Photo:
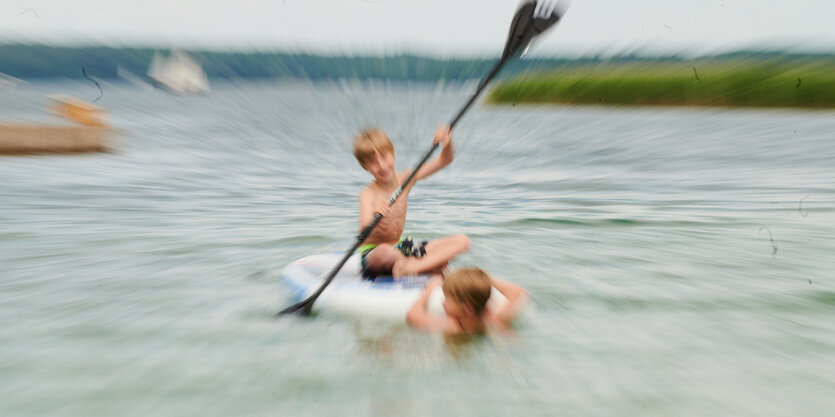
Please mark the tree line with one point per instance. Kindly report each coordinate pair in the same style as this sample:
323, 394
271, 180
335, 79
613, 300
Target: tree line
46, 61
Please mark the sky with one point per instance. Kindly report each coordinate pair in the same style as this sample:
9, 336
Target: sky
435, 27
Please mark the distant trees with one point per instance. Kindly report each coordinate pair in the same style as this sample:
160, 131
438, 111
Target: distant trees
737, 78
44, 61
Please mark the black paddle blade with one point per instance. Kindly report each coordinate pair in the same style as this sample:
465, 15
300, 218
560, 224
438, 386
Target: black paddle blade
532, 18
303, 308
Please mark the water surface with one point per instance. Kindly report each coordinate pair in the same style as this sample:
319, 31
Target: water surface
679, 260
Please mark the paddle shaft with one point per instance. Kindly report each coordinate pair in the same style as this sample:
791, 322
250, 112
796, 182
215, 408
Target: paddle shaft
305, 307
478, 91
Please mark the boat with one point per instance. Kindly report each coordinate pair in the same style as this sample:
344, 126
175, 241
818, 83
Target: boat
349, 295
178, 73
88, 131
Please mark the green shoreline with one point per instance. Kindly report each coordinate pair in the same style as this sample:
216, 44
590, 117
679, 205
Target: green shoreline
742, 78
716, 84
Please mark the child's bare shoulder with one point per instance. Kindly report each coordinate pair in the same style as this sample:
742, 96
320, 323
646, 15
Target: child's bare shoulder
369, 192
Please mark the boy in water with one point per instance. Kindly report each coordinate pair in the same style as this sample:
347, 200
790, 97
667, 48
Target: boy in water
466, 292
384, 251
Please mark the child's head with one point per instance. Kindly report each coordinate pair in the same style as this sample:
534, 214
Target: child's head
466, 292
370, 143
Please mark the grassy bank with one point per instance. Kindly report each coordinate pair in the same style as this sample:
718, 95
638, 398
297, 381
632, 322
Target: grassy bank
738, 84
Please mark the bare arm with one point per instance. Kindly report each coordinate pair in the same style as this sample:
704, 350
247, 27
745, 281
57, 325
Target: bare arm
517, 298
418, 316
443, 136
366, 208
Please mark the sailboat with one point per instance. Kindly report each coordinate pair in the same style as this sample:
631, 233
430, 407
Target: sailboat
178, 73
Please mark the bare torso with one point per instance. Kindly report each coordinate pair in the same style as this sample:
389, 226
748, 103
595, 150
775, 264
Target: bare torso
390, 227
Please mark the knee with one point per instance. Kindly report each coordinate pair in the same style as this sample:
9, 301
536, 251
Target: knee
462, 242
382, 258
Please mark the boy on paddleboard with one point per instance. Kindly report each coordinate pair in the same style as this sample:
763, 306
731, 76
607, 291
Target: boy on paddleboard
466, 292
385, 250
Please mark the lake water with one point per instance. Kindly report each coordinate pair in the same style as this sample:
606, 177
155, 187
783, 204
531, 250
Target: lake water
679, 260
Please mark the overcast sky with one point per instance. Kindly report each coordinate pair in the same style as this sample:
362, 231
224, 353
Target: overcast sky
441, 27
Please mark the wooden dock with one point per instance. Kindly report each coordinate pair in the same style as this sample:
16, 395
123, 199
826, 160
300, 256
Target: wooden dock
88, 131
18, 139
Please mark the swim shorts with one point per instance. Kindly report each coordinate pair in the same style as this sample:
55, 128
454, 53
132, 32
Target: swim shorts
406, 246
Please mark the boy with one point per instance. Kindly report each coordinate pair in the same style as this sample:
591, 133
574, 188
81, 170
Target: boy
385, 251
466, 292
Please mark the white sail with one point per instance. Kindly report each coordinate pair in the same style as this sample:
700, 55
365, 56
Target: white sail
179, 73
157, 62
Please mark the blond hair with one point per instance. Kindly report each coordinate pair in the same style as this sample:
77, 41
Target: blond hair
469, 286
369, 142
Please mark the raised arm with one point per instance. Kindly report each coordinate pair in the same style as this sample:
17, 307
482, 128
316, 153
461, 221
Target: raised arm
517, 298
443, 136
419, 317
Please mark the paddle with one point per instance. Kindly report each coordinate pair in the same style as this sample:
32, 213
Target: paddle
531, 18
